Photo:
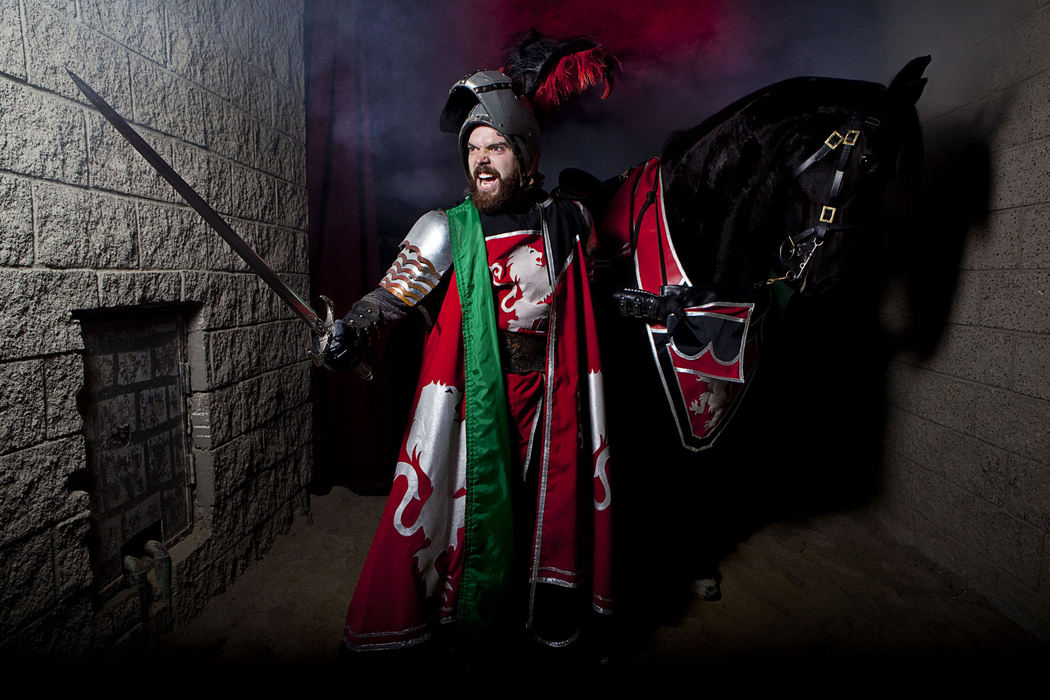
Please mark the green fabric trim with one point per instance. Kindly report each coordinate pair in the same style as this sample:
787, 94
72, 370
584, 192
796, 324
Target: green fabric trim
489, 522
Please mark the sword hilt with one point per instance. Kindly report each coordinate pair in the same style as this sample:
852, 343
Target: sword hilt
322, 336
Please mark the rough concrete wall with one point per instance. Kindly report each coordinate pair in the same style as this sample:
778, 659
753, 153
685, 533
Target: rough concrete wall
968, 459
216, 86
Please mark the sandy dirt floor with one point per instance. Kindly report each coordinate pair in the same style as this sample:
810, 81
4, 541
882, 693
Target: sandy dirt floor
813, 596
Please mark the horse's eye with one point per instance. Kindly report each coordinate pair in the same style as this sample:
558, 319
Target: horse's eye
866, 161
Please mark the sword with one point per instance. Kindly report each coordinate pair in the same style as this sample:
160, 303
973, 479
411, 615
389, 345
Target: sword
318, 326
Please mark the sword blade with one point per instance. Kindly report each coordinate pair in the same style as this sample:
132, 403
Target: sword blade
211, 217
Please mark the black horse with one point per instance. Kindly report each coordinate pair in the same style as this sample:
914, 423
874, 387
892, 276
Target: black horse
762, 172
769, 204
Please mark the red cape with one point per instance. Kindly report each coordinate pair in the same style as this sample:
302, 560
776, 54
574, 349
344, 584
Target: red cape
411, 576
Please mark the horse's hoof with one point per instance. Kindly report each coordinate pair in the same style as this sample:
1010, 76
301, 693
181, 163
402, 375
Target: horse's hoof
707, 589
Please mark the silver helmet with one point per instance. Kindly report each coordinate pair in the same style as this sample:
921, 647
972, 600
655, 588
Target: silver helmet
487, 98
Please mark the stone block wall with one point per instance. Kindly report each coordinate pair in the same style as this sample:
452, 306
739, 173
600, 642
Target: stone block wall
968, 447
216, 87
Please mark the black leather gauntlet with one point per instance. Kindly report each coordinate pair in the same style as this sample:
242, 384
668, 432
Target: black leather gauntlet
351, 334
649, 307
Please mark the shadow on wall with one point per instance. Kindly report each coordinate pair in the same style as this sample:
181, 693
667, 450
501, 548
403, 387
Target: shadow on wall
925, 251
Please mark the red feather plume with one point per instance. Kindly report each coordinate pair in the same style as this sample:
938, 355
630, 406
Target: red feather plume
574, 75
552, 71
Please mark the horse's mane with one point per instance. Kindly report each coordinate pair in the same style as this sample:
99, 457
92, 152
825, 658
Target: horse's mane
790, 97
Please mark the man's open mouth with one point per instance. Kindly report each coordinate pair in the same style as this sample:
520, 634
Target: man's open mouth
486, 182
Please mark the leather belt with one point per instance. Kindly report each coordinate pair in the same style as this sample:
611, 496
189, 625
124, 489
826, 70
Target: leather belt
522, 352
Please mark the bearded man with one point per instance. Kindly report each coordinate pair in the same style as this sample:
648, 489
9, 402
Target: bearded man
499, 519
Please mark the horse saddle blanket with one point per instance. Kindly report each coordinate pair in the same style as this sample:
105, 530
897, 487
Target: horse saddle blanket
707, 348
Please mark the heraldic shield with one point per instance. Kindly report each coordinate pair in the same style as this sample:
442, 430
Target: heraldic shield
707, 349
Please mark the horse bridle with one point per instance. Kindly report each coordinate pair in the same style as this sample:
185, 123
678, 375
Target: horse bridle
796, 251
801, 246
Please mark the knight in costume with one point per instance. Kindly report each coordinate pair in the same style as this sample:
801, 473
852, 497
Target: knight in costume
499, 517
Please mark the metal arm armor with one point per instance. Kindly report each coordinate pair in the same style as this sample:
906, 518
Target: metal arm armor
426, 255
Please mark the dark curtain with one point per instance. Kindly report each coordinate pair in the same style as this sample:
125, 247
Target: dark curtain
350, 415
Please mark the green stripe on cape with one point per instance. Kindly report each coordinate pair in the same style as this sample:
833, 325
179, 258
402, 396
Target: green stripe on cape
489, 524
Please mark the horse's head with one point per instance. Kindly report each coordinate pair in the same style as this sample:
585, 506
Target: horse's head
839, 165
781, 183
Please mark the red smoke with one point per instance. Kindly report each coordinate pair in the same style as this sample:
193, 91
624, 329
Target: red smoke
641, 31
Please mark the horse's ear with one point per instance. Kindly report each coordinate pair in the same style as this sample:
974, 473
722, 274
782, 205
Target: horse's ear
907, 86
